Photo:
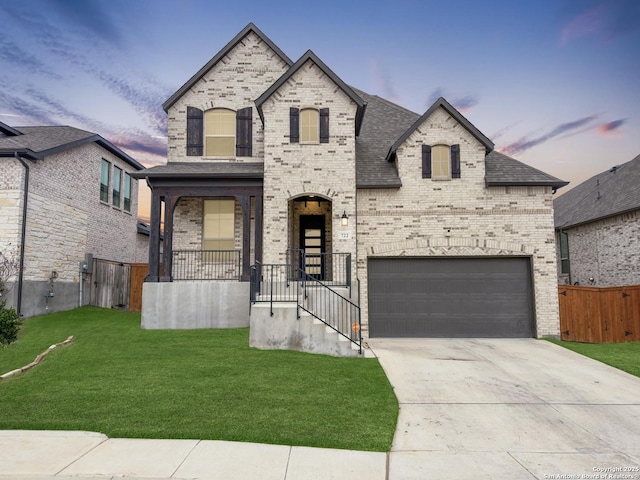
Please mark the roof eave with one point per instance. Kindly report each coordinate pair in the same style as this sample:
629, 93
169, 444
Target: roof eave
225, 50
501, 183
566, 226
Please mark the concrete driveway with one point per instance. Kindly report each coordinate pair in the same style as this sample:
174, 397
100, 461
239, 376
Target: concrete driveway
508, 408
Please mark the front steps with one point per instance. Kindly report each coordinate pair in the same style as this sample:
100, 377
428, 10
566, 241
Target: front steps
285, 331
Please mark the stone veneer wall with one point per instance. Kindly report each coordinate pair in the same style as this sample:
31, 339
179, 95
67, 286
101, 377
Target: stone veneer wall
66, 219
235, 82
607, 250
459, 217
324, 169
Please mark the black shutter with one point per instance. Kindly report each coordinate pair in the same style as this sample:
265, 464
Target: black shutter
243, 132
195, 131
455, 161
426, 161
324, 125
294, 125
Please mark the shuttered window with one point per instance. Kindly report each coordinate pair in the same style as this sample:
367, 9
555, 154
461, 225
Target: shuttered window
219, 132
441, 162
309, 125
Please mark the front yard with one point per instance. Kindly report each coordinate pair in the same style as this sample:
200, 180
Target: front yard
122, 381
624, 356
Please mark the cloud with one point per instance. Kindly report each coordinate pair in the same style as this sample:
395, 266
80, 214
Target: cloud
89, 15
13, 54
611, 128
463, 104
382, 82
606, 19
526, 143
34, 112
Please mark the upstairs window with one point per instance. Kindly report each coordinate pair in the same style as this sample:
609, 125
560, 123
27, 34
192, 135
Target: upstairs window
220, 133
127, 192
105, 168
309, 125
441, 162
117, 179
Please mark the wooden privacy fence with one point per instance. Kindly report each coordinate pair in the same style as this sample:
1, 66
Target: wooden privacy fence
110, 284
599, 315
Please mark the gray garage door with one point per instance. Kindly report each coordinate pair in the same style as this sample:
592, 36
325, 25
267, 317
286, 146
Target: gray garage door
450, 297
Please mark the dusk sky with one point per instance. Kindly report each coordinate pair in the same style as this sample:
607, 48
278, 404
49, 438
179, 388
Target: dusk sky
555, 84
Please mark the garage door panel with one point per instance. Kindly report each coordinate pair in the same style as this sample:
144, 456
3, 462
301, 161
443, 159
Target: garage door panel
447, 297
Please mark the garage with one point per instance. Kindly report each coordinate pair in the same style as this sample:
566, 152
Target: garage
450, 297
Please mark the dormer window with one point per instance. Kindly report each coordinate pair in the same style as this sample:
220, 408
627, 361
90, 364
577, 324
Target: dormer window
441, 162
309, 125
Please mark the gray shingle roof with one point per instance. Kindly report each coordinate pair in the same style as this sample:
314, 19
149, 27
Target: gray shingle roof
609, 193
383, 124
501, 170
204, 170
36, 143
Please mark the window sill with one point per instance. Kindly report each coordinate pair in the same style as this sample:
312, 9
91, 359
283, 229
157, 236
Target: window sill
441, 179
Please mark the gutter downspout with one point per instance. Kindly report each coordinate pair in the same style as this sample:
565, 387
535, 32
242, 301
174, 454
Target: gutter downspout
23, 233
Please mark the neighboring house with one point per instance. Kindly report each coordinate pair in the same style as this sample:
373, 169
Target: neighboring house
435, 232
598, 229
66, 196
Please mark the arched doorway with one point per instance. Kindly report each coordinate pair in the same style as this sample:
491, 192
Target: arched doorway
310, 235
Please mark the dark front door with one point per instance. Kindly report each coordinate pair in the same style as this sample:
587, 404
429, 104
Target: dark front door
312, 241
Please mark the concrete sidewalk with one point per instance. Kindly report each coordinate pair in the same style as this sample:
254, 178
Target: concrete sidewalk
58, 455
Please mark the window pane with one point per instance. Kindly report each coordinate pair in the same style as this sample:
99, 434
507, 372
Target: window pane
127, 192
219, 223
220, 146
117, 176
309, 125
220, 131
440, 162
104, 180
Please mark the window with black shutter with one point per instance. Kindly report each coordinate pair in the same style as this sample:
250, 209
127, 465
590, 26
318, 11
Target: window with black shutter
308, 125
243, 132
195, 131
294, 125
324, 125
441, 162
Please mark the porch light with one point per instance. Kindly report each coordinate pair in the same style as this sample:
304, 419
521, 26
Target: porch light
344, 219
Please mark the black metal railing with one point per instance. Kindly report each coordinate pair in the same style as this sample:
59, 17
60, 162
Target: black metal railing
273, 283
330, 268
207, 265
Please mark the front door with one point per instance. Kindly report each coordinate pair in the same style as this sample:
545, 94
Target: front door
312, 241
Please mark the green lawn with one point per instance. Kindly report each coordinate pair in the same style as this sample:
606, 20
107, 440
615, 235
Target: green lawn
120, 380
625, 356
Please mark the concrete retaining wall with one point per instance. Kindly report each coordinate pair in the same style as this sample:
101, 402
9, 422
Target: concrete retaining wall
188, 305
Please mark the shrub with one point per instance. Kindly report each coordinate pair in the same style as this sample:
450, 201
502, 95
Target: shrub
9, 324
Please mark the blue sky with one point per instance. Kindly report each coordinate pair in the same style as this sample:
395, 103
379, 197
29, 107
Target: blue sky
555, 84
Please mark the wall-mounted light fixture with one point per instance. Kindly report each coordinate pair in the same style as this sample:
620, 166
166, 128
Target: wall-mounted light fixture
344, 219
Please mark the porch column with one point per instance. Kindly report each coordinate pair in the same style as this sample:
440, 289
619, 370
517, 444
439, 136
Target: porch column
258, 227
154, 238
245, 202
167, 253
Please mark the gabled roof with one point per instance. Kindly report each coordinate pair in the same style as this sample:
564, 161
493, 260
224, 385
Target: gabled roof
36, 143
612, 192
441, 102
310, 56
220, 55
504, 171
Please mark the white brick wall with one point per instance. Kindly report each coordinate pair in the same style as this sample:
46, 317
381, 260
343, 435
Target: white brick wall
11, 184
235, 82
459, 217
326, 170
607, 250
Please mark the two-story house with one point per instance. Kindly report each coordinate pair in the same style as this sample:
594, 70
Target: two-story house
67, 196
280, 173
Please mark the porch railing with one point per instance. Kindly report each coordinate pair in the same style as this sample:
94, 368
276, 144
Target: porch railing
273, 283
206, 265
330, 268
